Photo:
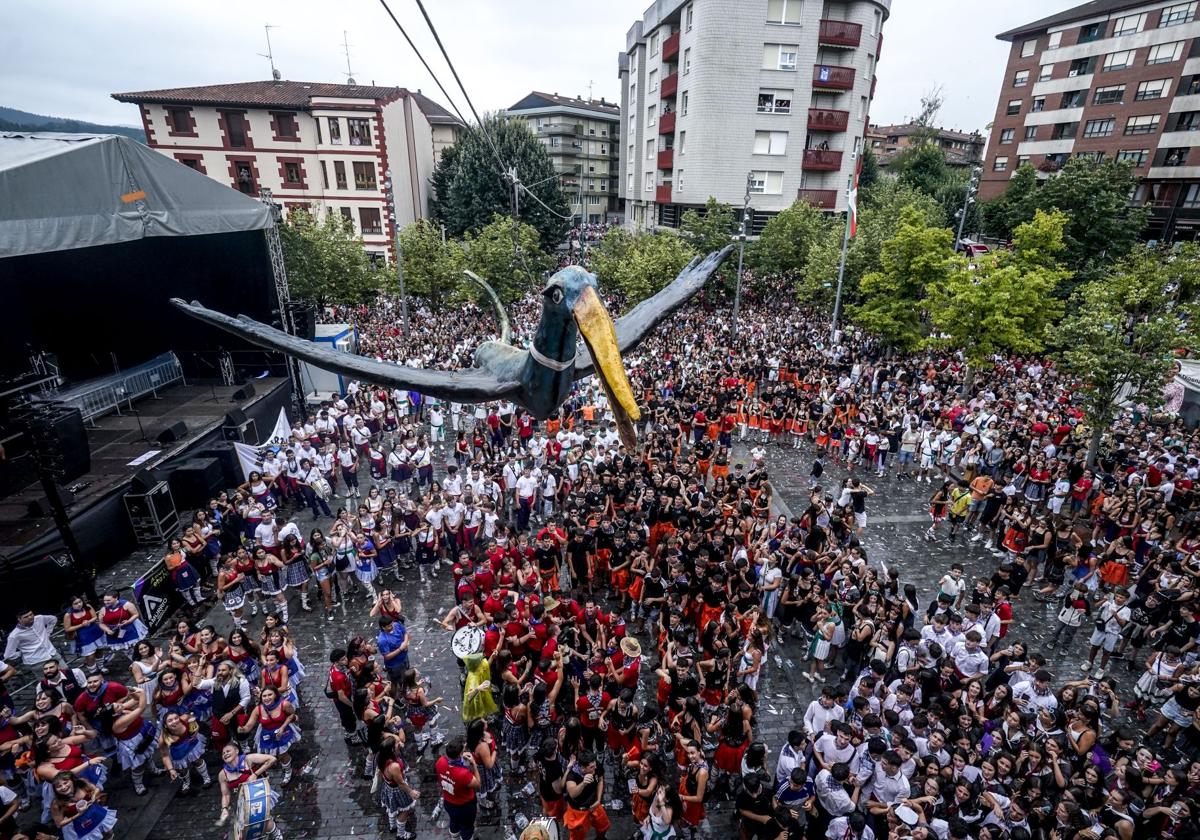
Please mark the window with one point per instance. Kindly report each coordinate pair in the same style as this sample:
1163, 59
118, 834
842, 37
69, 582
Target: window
346, 214
690, 17
783, 11
243, 170
369, 220
1174, 157
650, 149
191, 162
774, 101
679, 180
1021, 78
683, 104
654, 44
629, 182
1000, 164
1082, 67
1110, 95
1014, 107
651, 114
1188, 121
681, 143
1099, 128
1028, 48
687, 60
1138, 156
1118, 60
770, 142
1142, 125
1164, 53
360, 131
1191, 199
285, 126
291, 173
1073, 99
1091, 32
1045, 72
335, 131
1022, 160
1006, 135
779, 56
339, 174
1178, 14
324, 174
364, 175
1155, 89
1093, 156
1031, 132
235, 128
1062, 131
652, 80
180, 121
1039, 104
1129, 24
649, 181
767, 183
1055, 40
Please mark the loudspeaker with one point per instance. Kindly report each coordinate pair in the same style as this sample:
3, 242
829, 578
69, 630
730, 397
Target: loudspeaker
246, 392
195, 481
143, 481
231, 468
305, 317
235, 417
72, 441
40, 505
177, 431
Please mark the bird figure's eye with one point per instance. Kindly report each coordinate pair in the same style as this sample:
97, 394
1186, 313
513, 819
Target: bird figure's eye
556, 295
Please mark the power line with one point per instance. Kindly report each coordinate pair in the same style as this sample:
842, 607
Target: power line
549, 209
424, 63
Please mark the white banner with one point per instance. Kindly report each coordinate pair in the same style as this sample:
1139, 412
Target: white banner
281, 435
251, 457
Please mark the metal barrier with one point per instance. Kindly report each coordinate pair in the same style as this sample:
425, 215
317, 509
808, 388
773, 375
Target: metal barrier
100, 396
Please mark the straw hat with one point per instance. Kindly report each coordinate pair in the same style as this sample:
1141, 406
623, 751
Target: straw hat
630, 647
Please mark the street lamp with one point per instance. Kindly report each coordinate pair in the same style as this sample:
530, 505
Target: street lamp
391, 198
968, 200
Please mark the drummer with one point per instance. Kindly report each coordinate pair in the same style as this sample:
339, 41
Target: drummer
237, 769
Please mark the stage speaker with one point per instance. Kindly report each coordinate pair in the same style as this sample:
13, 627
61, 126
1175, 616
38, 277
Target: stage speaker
40, 505
305, 316
246, 392
72, 443
177, 431
235, 417
231, 468
195, 481
143, 481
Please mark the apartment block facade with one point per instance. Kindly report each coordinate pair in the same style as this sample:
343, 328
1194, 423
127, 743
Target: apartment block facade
582, 137
1107, 79
712, 90
962, 148
326, 147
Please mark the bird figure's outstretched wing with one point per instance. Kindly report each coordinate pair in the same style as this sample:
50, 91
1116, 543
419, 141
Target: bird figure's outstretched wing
637, 323
466, 386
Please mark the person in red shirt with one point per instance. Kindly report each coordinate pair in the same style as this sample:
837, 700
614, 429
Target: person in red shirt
1003, 610
458, 776
1079, 493
591, 708
340, 689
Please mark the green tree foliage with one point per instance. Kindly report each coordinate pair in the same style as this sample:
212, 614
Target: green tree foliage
924, 168
490, 254
915, 258
431, 268
711, 230
639, 264
325, 260
783, 248
1120, 331
868, 176
1006, 303
470, 188
1002, 214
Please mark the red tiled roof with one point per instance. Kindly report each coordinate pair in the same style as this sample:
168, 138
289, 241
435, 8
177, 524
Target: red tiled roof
280, 94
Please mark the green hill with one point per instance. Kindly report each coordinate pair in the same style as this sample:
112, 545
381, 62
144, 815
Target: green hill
13, 120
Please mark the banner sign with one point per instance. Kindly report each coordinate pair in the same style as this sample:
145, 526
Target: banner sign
251, 457
156, 595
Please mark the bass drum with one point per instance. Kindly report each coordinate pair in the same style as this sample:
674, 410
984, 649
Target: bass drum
467, 640
254, 811
543, 828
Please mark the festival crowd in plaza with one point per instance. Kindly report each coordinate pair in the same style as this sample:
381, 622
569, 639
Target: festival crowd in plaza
625, 605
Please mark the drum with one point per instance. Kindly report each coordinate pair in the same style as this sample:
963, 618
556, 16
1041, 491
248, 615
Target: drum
254, 811
467, 640
543, 828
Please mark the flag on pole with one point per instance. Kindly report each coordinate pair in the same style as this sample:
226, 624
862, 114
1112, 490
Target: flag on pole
852, 205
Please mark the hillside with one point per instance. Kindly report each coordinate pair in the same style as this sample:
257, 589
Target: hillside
13, 120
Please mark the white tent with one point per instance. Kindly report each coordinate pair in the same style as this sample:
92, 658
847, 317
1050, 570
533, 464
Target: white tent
61, 191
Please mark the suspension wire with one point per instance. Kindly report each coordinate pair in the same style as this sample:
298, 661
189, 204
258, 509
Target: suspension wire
424, 63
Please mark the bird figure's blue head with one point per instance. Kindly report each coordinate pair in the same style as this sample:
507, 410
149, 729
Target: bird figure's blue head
565, 290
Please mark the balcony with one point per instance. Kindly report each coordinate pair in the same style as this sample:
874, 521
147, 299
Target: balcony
821, 160
561, 128
666, 159
666, 123
821, 199
839, 33
826, 119
832, 78
669, 86
670, 47
662, 195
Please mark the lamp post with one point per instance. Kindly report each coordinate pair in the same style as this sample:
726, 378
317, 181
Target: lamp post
391, 196
743, 232
968, 200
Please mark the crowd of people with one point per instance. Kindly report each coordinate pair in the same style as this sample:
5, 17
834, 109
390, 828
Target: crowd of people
626, 605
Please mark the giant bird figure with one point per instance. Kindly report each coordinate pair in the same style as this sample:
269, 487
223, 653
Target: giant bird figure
539, 378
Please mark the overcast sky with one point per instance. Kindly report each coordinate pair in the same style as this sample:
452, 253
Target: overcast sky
64, 57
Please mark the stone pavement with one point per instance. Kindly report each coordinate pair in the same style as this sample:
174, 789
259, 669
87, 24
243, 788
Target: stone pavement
328, 797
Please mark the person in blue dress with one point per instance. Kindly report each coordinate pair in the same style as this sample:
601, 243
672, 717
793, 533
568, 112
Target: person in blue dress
77, 812
82, 622
182, 748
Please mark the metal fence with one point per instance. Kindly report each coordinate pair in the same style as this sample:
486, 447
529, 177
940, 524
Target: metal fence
100, 396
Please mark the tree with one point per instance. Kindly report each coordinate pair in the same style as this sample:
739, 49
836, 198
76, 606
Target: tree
325, 260
711, 230
869, 174
431, 268
1006, 303
1120, 332
490, 254
639, 264
1003, 214
783, 247
917, 257
922, 166
471, 188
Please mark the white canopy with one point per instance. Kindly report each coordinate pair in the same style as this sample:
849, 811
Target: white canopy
61, 191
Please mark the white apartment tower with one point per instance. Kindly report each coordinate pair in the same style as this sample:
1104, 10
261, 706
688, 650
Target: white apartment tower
714, 89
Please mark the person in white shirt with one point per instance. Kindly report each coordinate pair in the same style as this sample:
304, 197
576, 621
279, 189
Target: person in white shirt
266, 533
834, 747
549, 491
791, 755
347, 459
822, 712
526, 489
29, 642
969, 659
437, 424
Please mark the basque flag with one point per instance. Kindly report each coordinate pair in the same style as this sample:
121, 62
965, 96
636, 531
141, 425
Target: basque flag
852, 206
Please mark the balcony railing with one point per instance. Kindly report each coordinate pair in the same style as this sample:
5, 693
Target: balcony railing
839, 33
832, 77
561, 128
822, 160
670, 47
821, 199
827, 119
666, 123
669, 86
666, 159
662, 195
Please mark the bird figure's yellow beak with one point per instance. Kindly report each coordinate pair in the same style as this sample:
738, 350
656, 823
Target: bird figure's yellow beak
596, 327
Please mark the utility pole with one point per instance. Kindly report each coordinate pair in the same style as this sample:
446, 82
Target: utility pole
389, 188
968, 200
837, 298
741, 237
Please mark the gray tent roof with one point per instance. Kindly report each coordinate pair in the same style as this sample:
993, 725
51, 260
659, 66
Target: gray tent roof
61, 191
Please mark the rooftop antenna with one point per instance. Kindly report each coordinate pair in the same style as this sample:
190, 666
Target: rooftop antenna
270, 55
346, 50
589, 90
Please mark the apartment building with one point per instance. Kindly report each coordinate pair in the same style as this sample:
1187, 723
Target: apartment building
582, 137
1107, 79
962, 148
714, 89
327, 147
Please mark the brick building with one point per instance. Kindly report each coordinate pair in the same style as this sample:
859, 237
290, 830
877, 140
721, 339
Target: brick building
962, 148
1107, 79
325, 146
